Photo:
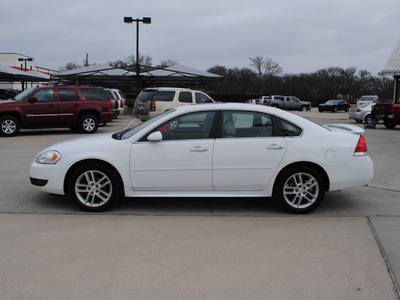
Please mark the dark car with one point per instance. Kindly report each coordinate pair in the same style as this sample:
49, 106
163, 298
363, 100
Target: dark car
79, 108
130, 99
334, 106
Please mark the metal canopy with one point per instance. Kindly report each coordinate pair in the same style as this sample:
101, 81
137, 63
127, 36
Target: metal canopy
105, 75
392, 66
11, 74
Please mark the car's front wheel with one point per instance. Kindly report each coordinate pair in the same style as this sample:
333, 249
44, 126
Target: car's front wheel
304, 108
94, 187
299, 190
9, 126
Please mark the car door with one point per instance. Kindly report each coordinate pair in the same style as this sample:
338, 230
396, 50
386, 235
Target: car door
69, 105
248, 152
181, 161
41, 108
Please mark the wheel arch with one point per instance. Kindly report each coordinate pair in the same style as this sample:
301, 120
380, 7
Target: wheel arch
96, 161
308, 164
90, 112
13, 114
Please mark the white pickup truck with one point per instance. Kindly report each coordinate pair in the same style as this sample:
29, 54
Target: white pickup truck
285, 102
367, 99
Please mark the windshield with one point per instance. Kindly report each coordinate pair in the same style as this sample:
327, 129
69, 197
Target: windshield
122, 135
22, 96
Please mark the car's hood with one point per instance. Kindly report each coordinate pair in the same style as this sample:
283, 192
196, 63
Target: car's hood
85, 144
4, 101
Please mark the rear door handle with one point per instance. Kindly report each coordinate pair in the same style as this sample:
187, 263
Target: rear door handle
275, 147
198, 149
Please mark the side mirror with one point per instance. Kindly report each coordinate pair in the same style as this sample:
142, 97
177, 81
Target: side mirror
33, 100
155, 137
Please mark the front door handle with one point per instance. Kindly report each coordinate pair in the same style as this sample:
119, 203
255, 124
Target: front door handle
275, 147
198, 149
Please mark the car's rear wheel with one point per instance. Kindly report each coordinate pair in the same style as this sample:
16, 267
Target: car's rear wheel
9, 126
389, 123
94, 187
88, 124
368, 119
299, 190
304, 108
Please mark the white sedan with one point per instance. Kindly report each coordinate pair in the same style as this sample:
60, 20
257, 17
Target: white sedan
209, 150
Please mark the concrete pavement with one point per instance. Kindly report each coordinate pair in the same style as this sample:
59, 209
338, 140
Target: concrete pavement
199, 248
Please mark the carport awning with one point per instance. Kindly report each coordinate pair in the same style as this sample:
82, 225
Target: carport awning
392, 66
11, 74
177, 75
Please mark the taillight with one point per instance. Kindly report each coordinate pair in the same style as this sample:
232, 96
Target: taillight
361, 148
358, 110
109, 106
153, 106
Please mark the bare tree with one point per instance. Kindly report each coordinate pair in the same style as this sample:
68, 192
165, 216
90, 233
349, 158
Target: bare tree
70, 66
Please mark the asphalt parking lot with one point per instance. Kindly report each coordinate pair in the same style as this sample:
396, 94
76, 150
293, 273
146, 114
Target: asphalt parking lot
199, 248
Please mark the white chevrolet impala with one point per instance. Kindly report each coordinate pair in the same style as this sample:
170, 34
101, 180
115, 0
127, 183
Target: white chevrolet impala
209, 150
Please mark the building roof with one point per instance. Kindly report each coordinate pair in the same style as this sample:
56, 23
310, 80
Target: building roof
392, 66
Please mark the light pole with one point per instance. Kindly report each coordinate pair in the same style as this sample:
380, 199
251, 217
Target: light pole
25, 60
145, 20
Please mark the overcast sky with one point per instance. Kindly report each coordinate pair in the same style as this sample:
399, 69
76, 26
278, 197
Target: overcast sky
302, 36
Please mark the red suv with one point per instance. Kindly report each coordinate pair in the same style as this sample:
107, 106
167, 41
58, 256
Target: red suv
77, 107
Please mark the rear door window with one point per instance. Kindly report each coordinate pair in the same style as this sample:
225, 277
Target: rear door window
185, 97
67, 95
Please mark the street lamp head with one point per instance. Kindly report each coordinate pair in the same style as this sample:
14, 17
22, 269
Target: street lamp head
146, 20
128, 19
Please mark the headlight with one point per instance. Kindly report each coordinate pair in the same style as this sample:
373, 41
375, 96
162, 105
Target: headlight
48, 157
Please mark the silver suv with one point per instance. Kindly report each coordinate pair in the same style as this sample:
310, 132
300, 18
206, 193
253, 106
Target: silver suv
153, 101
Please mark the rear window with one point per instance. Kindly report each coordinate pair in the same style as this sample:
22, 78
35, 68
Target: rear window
94, 94
155, 95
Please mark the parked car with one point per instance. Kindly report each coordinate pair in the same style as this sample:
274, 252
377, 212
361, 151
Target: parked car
334, 106
367, 99
77, 107
153, 101
285, 102
202, 151
114, 102
361, 113
130, 99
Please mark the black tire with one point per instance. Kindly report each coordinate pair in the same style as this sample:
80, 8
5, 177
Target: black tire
94, 187
9, 126
389, 124
299, 190
320, 110
367, 119
88, 124
304, 108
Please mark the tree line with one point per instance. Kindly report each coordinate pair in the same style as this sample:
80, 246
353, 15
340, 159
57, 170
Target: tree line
264, 76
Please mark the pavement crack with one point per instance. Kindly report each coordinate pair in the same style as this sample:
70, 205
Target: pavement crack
389, 268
